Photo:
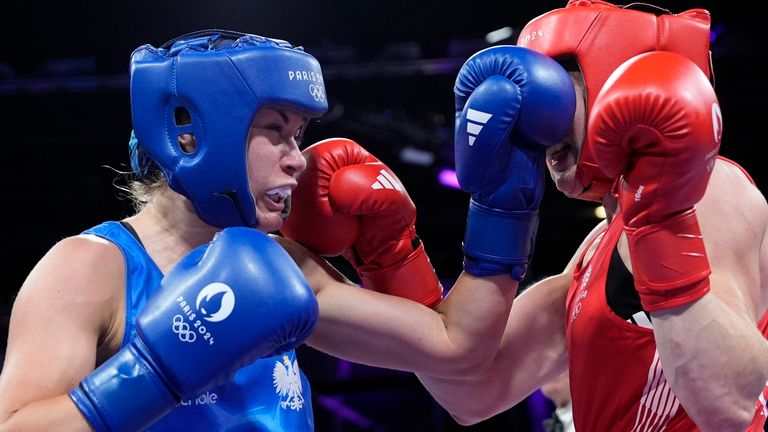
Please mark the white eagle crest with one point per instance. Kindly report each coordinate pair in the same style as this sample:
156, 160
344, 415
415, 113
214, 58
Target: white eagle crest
287, 382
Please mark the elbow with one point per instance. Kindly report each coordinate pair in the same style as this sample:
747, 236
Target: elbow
728, 418
465, 420
737, 420
741, 418
467, 401
469, 414
736, 411
471, 401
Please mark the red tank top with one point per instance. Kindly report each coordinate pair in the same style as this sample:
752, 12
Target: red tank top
617, 381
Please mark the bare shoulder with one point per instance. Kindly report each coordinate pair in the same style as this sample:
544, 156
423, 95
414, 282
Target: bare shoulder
63, 320
733, 215
82, 260
550, 293
733, 209
728, 174
77, 274
587, 247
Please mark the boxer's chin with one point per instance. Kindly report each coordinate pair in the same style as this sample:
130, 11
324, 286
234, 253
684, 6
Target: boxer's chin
567, 182
269, 221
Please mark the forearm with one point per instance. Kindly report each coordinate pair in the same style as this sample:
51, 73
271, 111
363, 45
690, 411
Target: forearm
461, 336
707, 349
57, 413
475, 316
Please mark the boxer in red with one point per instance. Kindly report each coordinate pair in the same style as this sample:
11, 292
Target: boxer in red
661, 316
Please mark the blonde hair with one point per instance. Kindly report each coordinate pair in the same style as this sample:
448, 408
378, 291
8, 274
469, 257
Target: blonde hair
140, 190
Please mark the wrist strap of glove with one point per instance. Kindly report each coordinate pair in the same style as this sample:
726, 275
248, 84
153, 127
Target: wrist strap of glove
123, 394
498, 242
669, 262
414, 279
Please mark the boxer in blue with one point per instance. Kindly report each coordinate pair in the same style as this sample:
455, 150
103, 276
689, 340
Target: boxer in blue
185, 316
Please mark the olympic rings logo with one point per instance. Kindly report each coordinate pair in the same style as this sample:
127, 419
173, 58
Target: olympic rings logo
182, 329
317, 92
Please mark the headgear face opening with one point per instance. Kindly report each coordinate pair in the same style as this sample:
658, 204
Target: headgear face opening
219, 79
601, 36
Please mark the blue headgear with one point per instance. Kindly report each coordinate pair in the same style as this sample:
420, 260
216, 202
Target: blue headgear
221, 78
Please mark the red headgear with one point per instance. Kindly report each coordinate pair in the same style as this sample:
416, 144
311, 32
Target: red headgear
601, 36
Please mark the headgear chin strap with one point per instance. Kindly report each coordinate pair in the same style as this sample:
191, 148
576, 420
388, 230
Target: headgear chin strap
601, 36
221, 79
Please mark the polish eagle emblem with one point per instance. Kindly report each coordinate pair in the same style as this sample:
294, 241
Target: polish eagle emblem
287, 382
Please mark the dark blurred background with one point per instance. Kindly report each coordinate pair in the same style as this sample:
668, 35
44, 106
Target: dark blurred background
389, 69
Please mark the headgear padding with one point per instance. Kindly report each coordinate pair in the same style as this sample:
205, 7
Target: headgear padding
221, 79
601, 36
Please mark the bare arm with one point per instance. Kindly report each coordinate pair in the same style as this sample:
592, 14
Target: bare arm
460, 337
712, 346
532, 352
455, 349
58, 319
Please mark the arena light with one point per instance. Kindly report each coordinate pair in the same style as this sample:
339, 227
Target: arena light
447, 177
414, 156
600, 212
499, 35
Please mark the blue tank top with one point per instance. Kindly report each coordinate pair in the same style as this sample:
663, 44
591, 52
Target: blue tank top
271, 394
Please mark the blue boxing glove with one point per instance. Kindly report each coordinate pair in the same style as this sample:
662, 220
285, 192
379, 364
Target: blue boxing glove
511, 103
226, 304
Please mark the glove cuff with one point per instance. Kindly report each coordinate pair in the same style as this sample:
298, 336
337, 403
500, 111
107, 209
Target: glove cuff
414, 279
497, 241
669, 262
123, 394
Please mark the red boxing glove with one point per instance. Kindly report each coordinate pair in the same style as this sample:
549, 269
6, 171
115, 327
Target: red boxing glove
657, 123
349, 203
